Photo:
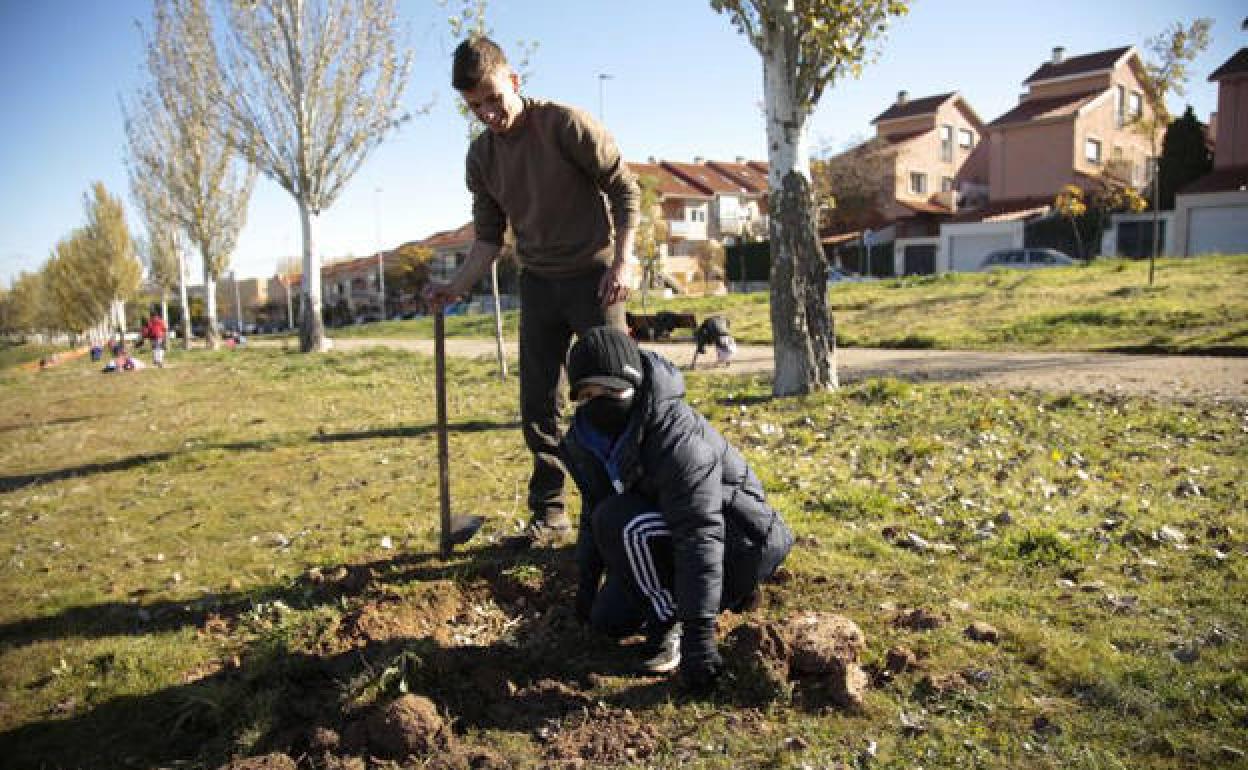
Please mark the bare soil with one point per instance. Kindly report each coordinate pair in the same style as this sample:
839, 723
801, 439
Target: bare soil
1170, 377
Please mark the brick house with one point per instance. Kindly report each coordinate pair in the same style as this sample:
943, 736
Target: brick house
1075, 124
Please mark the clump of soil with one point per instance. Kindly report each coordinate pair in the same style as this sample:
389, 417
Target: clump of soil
814, 656
266, 762
602, 736
409, 725
919, 619
425, 613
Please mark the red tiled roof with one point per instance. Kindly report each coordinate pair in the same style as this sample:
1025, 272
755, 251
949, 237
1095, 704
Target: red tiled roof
462, 234
1004, 210
914, 107
1229, 179
924, 207
746, 175
1037, 109
1078, 65
670, 185
1236, 65
350, 265
702, 177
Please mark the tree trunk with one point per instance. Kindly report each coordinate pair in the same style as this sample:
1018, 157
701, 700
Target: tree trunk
311, 326
498, 321
802, 330
211, 338
164, 303
186, 305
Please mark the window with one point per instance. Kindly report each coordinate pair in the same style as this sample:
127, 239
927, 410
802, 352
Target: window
1092, 151
918, 183
946, 143
1120, 106
966, 139
946, 184
1137, 105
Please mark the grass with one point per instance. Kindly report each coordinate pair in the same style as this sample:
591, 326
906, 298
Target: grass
194, 569
1194, 306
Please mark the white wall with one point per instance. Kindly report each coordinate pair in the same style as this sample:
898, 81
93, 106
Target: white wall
1228, 234
963, 246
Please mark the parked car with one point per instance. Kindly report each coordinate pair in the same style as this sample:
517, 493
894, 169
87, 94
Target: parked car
840, 275
1026, 258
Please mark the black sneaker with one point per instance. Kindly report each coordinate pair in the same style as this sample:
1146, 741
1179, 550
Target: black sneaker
551, 529
660, 653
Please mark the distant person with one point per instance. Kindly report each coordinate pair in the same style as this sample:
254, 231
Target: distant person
156, 331
672, 513
555, 176
714, 332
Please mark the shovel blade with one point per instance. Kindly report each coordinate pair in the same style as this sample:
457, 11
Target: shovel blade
462, 528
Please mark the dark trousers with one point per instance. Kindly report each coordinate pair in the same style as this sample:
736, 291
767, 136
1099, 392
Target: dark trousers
551, 311
636, 547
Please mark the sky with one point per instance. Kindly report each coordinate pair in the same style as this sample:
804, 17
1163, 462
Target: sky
670, 78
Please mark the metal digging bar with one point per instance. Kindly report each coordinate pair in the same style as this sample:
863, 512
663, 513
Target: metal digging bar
456, 530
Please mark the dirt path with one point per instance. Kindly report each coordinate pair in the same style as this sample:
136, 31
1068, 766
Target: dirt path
1204, 377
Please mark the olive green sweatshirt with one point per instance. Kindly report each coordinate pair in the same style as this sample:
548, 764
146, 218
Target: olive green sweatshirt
557, 177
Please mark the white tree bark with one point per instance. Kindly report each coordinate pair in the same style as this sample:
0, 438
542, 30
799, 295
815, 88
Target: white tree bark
803, 343
311, 327
186, 305
210, 308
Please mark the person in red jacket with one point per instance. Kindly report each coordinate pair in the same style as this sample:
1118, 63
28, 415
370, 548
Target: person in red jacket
156, 331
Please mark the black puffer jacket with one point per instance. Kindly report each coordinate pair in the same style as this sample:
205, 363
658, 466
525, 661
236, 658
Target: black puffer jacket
713, 503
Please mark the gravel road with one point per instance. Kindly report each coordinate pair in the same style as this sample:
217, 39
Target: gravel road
1182, 377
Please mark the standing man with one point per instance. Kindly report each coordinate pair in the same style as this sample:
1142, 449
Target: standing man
555, 176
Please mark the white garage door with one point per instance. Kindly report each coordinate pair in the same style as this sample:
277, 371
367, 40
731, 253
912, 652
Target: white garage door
967, 252
1218, 229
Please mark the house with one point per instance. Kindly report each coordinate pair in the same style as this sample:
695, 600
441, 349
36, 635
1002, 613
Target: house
933, 155
1211, 214
702, 203
1075, 124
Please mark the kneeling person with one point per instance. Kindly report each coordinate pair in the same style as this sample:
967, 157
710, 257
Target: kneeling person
672, 514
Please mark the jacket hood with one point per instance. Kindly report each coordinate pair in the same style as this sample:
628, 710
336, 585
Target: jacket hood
663, 381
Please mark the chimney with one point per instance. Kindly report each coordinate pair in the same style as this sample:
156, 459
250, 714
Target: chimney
740, 160
652, 161
903, 97
1059, 53
698, 160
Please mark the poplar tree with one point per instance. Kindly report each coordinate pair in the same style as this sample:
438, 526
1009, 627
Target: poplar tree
180, 143
806, 46
312, 87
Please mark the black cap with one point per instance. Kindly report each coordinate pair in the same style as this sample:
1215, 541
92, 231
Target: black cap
604, 356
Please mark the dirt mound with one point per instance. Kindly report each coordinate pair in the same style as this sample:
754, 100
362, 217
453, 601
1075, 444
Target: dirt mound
602, 736
919, 619
813, 656
429, 612
409, 725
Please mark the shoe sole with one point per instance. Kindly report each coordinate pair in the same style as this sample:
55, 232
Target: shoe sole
665, 668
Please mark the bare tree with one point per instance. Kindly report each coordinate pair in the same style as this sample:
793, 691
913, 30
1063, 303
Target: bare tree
161, 251
1172, 52
805, 46
180, 143
850, 186
313, 86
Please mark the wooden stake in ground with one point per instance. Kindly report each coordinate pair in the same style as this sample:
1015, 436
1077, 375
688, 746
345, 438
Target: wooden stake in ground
455, 529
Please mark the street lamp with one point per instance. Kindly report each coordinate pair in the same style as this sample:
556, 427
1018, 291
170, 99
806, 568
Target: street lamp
602, 79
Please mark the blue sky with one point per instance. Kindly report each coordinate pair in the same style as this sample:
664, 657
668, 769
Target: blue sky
683, 84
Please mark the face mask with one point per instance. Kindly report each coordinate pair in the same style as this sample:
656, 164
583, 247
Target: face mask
607, 415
